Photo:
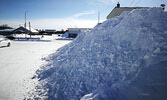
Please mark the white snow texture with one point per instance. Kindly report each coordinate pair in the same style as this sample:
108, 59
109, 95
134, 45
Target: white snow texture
124, 58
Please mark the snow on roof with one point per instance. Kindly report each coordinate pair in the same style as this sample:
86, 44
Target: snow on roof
78, 29
32, 29
7, 30
124, 58
118, 10
27, 29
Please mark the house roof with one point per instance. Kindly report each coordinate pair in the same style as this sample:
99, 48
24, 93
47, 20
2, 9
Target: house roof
32, 30
78, 29
7, 30
22, 29
118, 10
26, 30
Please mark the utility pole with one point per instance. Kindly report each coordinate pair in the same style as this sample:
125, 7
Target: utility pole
25, 19
25, 23
98, 18
30, 29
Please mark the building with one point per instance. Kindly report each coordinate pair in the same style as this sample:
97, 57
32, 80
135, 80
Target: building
73, 32
117, 11
18, 31
50, 31
28, 30
9, 33
6, 31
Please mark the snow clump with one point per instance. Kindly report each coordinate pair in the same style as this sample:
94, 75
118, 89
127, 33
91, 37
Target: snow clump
124, 58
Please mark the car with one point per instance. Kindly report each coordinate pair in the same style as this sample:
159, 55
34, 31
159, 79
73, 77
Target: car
4, 42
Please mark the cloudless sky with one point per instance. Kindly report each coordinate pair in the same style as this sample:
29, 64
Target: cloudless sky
58, 13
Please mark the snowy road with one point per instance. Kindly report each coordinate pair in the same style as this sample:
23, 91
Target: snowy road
18, 64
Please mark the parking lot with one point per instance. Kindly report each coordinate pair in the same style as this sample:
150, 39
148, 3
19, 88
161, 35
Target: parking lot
18, 64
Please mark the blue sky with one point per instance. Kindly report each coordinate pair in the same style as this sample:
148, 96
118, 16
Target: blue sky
61, 14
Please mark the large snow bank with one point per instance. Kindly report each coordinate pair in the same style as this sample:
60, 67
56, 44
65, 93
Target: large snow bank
124, 58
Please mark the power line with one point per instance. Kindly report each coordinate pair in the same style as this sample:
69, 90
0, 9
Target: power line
131, 3
137, 3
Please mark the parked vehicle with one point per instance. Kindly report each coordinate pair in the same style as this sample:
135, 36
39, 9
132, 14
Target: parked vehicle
4, 42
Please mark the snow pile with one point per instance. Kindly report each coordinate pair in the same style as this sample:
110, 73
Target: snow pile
124, 58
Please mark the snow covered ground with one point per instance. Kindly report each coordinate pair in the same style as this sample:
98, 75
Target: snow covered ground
19, 62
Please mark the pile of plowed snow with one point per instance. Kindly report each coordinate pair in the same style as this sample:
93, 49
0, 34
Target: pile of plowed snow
124, 58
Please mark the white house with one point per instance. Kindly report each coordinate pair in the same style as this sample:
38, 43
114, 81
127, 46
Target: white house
78, 29
73, 32
118, 10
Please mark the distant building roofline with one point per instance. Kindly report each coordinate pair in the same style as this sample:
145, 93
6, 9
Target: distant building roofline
118, 10
7, 30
